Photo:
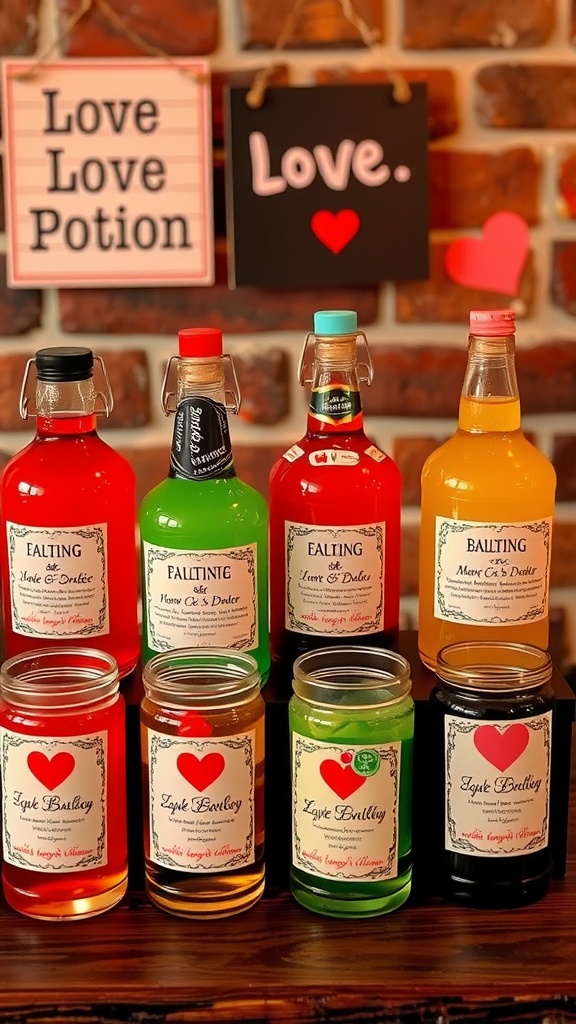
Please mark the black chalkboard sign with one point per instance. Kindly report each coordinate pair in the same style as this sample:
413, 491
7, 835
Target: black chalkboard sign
327, 185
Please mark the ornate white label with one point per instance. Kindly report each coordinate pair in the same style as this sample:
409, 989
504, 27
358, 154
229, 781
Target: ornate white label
491, 574
345, 809
58, 580
335, 579
497, 785
201, 801
201, 598
54, 801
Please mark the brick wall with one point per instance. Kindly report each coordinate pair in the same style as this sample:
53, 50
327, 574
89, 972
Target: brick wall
502, 111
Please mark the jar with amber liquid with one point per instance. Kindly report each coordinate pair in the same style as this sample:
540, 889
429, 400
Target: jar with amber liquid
62, 738
202, 721
493, 726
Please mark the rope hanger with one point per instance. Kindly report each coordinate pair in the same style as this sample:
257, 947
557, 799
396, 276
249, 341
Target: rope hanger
401, 90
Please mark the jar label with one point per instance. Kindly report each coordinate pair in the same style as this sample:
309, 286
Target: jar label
492, 574
54, 809
58, 580
497, 785
345, 809
335, 403
335, 579
201, 598
201, 447
201, 801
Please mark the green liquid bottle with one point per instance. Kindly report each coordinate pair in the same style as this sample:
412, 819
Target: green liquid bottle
204, 532
352, 727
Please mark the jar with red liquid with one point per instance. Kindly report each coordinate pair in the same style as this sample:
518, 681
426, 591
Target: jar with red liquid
68, 559
335, 500
202, 726
62, 746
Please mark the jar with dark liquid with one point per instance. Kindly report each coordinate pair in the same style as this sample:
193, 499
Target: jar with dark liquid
202, 720
494, 712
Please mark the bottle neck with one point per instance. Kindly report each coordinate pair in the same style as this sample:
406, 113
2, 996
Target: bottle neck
490, 401
335, 404
201, 446
65, 407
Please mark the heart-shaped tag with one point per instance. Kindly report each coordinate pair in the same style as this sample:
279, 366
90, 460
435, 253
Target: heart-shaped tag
335, 230
51, 771
495, 261
200, 772
501, 748
342, 779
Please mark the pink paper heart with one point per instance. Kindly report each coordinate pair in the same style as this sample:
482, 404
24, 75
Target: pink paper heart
495, 261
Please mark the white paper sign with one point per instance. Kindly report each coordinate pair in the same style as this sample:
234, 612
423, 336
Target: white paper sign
108, 172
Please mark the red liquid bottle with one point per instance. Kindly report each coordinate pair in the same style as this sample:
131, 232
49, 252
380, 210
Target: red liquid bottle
334, 513
67, 536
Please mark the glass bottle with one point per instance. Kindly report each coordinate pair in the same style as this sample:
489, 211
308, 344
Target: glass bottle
493, 730
202, 722
486, 510
68, 539
204, 532
334, 511
352, 726
62, 737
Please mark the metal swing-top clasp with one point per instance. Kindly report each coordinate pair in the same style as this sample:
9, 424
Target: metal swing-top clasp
363, 367
103, 400
203, 377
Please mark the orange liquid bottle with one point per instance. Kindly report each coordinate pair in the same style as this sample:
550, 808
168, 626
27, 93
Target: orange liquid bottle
486, 510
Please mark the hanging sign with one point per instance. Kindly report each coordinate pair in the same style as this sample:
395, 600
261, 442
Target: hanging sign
108, 172
327, 185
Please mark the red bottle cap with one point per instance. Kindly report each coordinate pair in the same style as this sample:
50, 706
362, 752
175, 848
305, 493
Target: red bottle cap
492, 322
200, 342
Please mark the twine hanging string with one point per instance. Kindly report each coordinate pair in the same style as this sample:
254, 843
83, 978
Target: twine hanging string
120, 25
401, 90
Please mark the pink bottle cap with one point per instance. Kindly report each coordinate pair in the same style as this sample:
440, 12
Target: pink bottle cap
491, 323
200, 342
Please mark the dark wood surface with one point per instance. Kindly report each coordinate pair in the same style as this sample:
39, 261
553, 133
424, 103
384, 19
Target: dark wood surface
430, 961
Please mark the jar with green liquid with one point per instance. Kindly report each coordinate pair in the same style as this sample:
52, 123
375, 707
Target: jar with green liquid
204, 532
352, 728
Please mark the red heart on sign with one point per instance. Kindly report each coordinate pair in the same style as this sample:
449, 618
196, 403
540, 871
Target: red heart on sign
501, 748
335, 230
342, 780
200, 772
495, 261
51, 771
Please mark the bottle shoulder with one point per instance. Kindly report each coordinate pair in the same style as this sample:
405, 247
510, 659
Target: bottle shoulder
334, 460
66, 461
188, 498
484, 455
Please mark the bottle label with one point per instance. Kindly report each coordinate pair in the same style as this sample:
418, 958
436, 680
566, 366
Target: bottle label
58, 580
54, 809
201, 598
345, 809
201, 448
497, 785
335, 579
335, 403
492, 574
333, 457
201, 801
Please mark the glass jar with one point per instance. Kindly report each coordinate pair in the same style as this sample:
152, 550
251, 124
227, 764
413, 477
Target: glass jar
352, 726
494, 705
202, 721
63, 783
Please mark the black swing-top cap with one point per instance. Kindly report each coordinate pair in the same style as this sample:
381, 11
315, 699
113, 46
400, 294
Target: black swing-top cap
65, 363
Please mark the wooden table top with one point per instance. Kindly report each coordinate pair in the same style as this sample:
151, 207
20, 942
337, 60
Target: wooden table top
430, 960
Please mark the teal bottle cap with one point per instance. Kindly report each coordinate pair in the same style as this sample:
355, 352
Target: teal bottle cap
336, 321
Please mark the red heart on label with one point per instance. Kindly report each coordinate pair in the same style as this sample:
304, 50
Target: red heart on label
495, 261
200, 772
342, 780
51, 771
501, 748
335, 230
